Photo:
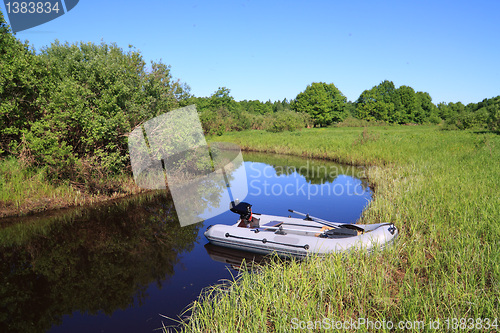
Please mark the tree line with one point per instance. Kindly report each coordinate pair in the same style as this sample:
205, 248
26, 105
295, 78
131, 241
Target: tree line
220, 113
403, 105
69, 107
323, 104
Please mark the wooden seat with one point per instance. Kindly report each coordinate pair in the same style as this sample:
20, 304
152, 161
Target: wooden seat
272, 224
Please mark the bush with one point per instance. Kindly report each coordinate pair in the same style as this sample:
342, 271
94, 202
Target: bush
355, 122
364, 137
433, 119
288, 121
219, 121
22, 76
214, 122
82, 108
494, 120
468, 120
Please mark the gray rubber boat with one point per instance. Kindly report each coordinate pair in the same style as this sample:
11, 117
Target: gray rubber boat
288, 236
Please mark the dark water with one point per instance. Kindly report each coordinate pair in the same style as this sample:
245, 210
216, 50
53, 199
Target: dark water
117, 267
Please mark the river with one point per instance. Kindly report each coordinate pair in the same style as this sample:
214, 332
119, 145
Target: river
119, 266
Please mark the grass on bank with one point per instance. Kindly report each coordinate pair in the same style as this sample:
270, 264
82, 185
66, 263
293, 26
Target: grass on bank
440, 188
25, 191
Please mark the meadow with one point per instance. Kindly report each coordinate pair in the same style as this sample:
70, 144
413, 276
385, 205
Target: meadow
25, 190
440, 188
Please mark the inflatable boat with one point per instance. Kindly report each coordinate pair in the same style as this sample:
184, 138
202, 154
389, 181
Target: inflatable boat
288, 236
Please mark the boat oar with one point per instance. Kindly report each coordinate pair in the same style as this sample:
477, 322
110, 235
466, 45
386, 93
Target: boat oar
281, 228
328, 223
284, 230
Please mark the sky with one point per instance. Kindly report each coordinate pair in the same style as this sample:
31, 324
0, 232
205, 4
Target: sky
271, 50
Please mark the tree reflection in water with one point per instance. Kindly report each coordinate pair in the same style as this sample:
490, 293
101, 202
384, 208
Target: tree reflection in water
99, 259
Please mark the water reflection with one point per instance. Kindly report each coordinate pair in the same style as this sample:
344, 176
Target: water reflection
236, 259
313, 171
100, 260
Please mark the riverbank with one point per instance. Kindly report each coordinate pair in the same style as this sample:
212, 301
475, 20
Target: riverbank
25, 192
440, 188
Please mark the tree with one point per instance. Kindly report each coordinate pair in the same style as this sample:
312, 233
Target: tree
221, 98
485, 114
323, 102
268, 107
21, 77
444, 110
370, 106
375, 110
377, 103
161, 92
277, 106
429, 110
494, 114
409, 103
402, 105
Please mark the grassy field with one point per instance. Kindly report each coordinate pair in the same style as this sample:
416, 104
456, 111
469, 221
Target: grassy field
440, 188
24, 191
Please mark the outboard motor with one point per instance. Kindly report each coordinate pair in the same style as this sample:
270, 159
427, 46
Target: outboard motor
244, 209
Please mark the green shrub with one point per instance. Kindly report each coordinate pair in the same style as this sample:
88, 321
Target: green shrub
91, 98
288, 121
355, 122
468, 120
494, 120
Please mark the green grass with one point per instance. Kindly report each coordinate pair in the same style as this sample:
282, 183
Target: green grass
20, 187
25, 191
440, 188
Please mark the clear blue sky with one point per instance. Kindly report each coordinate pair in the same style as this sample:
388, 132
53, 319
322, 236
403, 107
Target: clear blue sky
274, 49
